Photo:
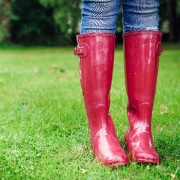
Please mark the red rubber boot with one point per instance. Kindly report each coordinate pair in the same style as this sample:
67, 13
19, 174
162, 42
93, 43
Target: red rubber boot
96, 58
141, 59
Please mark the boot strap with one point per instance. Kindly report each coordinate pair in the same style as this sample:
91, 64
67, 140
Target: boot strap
82, 50
159, 49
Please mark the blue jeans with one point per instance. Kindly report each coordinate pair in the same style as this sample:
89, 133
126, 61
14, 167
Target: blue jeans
101, 15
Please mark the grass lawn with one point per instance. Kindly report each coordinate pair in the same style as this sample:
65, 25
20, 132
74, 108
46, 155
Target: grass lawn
43, 128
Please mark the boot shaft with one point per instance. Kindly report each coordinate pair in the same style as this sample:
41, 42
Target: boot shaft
96, 59
141, 59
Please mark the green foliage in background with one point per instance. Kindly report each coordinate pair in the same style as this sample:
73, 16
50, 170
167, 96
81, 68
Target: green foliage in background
55, 22
164, 16
42, 22
5, 16
164, 24
66, 15
35, 24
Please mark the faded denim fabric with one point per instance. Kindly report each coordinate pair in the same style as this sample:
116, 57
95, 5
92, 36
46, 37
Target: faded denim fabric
101, 15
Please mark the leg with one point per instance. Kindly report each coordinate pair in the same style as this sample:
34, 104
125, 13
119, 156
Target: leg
96, 57
142, 47
140, 15
99, 16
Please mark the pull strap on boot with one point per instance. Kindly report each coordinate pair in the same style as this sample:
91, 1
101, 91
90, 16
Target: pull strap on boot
96, 58
141, 59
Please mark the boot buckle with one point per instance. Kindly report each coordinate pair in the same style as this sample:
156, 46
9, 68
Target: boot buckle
159, 49
82, 50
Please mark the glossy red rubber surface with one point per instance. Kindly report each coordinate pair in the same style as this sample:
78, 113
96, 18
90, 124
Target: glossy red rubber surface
141, 60
96, 75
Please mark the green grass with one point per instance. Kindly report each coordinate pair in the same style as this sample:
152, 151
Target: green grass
43, 128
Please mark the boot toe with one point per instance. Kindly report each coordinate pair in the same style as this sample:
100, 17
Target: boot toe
147, 157
141, 147
109, 151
